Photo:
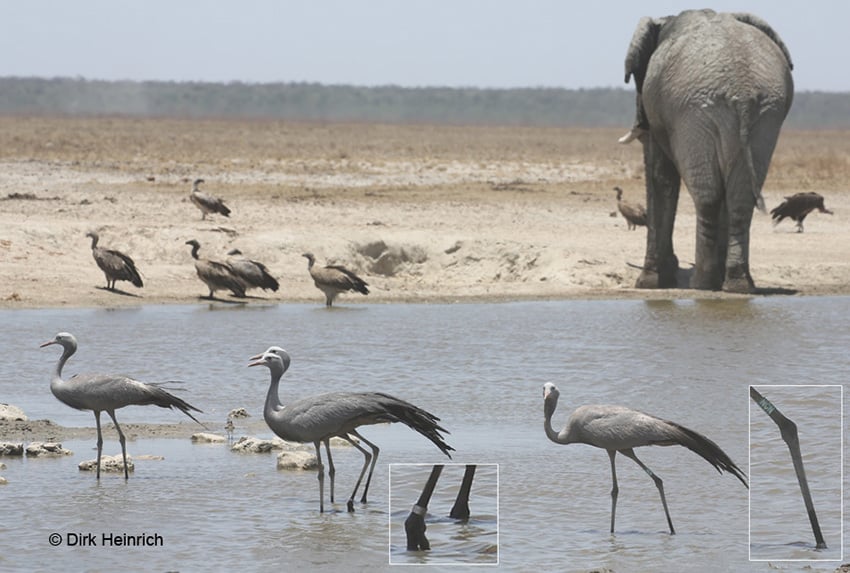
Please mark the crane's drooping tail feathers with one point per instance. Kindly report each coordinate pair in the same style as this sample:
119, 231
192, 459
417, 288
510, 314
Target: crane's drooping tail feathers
418, 419
709, 451
165, 399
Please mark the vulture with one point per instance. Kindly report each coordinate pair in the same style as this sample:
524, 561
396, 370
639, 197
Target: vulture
797, 207
115, 265
216, 275
207, 203
634, 214
334, 279
252, 274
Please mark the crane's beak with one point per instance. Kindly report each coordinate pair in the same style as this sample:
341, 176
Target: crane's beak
256, 362
48, 343
256, 356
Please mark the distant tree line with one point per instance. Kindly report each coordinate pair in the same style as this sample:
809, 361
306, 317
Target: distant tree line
389, 104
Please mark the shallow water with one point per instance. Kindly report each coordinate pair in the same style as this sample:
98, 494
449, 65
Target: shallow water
479, 367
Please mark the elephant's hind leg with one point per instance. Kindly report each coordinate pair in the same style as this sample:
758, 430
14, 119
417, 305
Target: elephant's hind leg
710, 252
662, 197
741, 203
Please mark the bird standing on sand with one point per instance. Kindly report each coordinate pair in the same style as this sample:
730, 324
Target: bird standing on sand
217, 275
635, 214
107, 392
618, 429
206, 202
797, 207
116, 266
334, 279
319, 418
253, 274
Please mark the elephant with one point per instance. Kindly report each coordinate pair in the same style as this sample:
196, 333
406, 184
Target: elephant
712, 92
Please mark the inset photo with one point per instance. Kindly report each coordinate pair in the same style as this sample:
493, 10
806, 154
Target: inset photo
796, 445
444, 514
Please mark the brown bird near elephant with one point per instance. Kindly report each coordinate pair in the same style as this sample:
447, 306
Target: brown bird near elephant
334, 279
206, 202
217, 275
253, 274
116, 266
635, 214
797, 207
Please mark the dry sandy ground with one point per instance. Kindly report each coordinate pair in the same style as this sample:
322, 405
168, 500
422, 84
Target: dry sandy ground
423, 213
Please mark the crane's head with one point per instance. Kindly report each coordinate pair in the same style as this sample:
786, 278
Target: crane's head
550, 399
65, 339
273, 358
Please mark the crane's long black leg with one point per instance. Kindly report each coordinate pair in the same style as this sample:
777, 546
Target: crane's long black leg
414, 525
788, 430
629, 453
367, 457
460, 510
321, 476
99, 440
615, 490
123, 441
331, 468
375, 452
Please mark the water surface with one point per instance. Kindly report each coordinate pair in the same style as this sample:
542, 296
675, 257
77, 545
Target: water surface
479, 367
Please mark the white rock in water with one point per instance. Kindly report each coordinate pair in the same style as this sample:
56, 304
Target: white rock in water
3, 481
108, 464
296, 460
2, 466
10, 449
12, 413
335, 441
208, 438
47, 449
253, 445
239, 413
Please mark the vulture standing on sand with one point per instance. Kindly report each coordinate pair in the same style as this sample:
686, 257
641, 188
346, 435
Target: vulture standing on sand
115, 265
634, 214
253, 274
207, 203
334, 279
797, 207
216, 275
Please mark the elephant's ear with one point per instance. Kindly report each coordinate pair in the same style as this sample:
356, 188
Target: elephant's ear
757, 22
643, 44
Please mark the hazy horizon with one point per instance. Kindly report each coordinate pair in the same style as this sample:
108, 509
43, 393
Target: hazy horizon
487, 44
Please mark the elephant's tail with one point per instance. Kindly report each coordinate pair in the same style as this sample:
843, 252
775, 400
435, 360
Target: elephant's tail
744, 134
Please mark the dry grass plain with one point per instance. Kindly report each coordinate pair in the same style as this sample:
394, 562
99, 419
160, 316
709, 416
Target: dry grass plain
422, 212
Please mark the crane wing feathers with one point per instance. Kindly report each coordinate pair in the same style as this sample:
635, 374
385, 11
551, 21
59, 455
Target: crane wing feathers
111, 392
332, 414
620, 428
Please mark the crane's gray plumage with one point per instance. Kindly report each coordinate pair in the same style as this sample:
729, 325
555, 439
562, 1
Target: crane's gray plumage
253, 274
206, 202
634, 214
319, 418
353, 437
217, 275
797, 207
107, 393
334, 279
619, 429
116, 266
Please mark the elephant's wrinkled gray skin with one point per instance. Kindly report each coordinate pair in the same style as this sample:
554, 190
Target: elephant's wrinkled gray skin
712, 93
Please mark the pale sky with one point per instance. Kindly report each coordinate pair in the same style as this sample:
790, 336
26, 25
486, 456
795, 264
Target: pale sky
411, 43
